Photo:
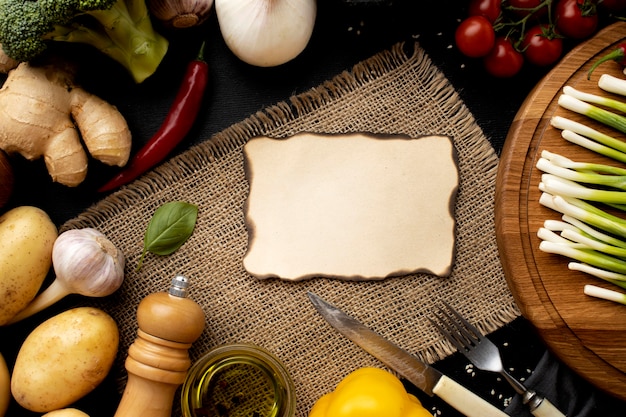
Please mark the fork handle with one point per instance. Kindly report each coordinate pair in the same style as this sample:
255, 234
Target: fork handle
540, 406
464, 400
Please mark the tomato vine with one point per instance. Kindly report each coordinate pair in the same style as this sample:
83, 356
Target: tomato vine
517, 33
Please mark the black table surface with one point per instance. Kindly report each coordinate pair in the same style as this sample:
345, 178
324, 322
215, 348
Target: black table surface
346, 32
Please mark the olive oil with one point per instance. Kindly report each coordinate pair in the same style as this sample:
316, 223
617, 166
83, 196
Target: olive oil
238, 381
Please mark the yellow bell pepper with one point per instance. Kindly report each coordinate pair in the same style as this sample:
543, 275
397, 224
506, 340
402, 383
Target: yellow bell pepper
369, 392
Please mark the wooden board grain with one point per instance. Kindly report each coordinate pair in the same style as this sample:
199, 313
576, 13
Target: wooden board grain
587, 334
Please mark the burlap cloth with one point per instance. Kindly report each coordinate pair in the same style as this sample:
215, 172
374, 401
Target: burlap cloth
396, 91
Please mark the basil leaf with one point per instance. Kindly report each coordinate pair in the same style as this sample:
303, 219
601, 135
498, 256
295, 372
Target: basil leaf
171, 225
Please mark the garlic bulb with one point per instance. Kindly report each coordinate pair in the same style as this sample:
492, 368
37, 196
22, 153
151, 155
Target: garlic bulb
85, 262
266, 33
181, 14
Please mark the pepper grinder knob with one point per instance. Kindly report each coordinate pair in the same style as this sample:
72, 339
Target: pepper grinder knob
158, 360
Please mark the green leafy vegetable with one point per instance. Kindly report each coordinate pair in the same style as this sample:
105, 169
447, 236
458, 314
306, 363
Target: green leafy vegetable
171, 225
614, 120
591, 197
586, 137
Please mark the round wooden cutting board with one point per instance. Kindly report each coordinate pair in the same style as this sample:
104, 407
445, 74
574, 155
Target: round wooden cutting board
586, 333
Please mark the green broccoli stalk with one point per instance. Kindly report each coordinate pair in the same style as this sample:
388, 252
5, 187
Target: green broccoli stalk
119, 28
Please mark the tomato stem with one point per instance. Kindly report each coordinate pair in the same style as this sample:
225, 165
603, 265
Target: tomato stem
520, 25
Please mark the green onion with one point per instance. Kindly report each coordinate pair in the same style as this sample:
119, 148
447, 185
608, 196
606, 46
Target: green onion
587, 230
556, 185
564, 162
586, 137
588, 256
600, 273
548, 235
593, 146
596, 113
596, 99
580, 238
581, 172
585, 213
566, 124
592, 237
612, 84
605, 294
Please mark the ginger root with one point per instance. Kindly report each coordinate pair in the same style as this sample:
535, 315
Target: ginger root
6, 62
44, 113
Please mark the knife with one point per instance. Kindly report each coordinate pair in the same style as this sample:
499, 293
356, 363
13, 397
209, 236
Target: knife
423, 376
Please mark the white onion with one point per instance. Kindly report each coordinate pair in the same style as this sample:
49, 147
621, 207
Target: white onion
266, 33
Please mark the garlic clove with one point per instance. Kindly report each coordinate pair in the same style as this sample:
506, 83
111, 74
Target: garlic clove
181, 14
266, 33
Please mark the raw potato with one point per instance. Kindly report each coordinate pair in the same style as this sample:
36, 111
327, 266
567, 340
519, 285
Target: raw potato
5, 387
64, 359
66, 412
27, 236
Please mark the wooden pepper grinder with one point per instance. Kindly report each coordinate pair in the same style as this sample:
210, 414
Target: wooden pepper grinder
158, 360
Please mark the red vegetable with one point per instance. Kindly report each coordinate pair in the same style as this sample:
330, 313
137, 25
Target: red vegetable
541, 46
577, 19
504, 60
618, 55
174, 128
475, 36
490, 9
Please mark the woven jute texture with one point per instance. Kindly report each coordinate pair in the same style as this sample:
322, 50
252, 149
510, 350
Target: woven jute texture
398, 91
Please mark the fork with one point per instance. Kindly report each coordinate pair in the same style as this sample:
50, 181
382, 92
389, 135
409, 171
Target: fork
485, 356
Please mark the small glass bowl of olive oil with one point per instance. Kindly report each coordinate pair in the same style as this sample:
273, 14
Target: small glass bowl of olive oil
238, 380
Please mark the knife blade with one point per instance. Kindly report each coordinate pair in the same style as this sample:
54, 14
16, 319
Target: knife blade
420, 374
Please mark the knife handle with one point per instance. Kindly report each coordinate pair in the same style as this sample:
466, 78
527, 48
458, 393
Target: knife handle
541, 407
464, 400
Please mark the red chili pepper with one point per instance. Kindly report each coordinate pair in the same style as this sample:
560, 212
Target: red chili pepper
618, 55
174, 128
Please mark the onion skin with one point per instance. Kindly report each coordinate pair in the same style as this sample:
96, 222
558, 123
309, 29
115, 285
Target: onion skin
266, 33
181, 14
7, 179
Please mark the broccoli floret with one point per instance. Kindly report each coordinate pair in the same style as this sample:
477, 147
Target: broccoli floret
121, 29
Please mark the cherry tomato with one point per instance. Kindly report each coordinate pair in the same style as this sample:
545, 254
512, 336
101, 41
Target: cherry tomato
541, 46
490, 9
504, 61
576, 19
475, 36
524, 7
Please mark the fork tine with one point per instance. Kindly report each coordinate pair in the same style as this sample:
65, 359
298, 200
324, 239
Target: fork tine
448, 335
469, 330
456, 329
